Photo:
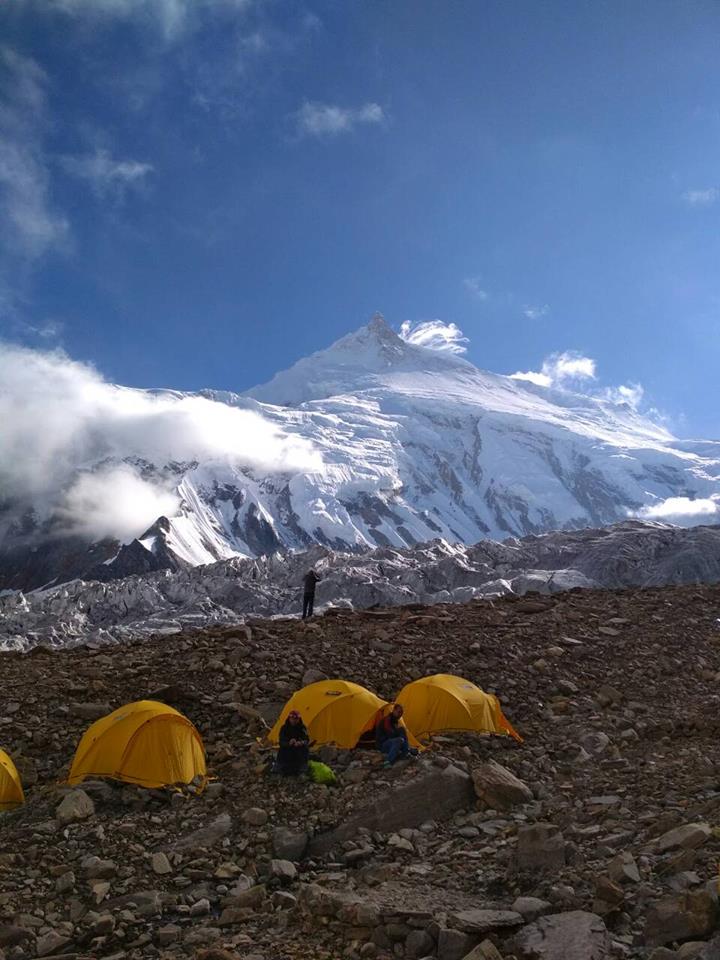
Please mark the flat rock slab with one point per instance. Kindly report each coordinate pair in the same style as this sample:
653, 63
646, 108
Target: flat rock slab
433, 794
577, 935
498, 787
207, 836
686, 837
484, 921
687, 916
145, 903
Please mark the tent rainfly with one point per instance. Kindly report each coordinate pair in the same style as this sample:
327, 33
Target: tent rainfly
11, 791
444, 702
146, 742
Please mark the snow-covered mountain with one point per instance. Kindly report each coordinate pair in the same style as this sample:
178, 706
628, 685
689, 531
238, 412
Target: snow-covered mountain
410, 444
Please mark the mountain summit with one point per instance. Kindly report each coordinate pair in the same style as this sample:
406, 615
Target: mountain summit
368, 358
408, 444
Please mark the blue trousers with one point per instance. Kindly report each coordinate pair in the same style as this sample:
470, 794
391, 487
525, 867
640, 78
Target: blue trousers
397, 747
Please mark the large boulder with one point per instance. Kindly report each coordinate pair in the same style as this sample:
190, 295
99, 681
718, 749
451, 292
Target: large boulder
289, 844
540, 846
711, 950
50, 943
434, 794
624, 869
688, 915
74, 806
576, 935
498, 787
686, 837
11, 936
454, 944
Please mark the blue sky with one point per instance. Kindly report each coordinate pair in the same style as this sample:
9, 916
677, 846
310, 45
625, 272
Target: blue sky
198, 192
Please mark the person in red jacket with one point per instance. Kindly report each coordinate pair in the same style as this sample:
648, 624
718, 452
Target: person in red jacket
391, 736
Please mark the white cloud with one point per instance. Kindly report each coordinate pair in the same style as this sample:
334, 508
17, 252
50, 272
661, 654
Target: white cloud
62, 422
104, 173
559, 368
435, 335
536, 312
325, 119
30, 224
473, 285
172, 16
682, 511
115, 502
570, 366
702, 198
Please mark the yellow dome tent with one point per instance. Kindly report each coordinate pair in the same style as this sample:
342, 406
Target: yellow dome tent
145, 742
444, 702
11, 791
335, 712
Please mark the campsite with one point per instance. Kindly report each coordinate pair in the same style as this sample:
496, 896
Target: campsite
359, 480
604, 815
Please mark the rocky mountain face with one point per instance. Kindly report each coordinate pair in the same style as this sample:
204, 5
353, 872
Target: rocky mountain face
595, 839
633, 553
409, 444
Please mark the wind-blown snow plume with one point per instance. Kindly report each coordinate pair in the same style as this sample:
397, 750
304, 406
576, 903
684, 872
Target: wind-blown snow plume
560, 368
60, 417
572, 370
630, 393
435, 335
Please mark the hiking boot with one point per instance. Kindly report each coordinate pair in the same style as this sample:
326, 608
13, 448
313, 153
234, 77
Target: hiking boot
386, 764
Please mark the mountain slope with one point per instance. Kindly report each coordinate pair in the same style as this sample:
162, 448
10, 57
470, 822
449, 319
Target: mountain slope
413, 444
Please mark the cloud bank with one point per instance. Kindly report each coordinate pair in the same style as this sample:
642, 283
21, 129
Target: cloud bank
80, 447
435, 335
683, 512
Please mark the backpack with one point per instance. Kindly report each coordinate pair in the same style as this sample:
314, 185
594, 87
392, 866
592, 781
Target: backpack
321, 773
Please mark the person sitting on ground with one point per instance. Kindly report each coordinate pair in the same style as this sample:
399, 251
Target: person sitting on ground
309, 581
292, 757
391, 736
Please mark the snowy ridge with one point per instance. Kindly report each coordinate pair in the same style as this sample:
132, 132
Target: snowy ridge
414, 445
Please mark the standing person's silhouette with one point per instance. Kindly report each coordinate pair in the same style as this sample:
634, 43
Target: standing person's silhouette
309, 581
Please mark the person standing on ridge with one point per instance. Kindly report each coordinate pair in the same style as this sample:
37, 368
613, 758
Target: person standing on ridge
309, 581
